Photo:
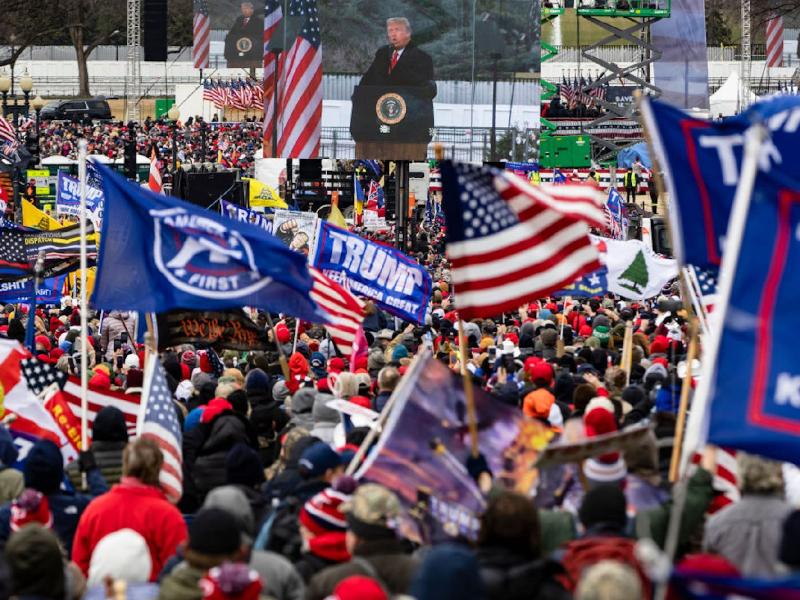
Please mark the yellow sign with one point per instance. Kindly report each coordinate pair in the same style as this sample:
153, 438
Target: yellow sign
41, 178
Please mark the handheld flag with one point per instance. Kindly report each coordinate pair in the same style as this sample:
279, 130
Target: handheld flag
158, 254
335, 216
358, 204
755, 382
702, 161
345, 311
38, 219
154, 180
158, 421
510, 242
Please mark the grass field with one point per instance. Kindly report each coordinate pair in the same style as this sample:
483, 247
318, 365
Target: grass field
563, 30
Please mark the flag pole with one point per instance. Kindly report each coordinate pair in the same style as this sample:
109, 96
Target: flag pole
696, 422
281, 355
296, 333
82, 145
684, 402
627, 351
469, 390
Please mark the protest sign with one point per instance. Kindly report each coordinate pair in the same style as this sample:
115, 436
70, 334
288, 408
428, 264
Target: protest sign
295, 229
68, 199
383, 274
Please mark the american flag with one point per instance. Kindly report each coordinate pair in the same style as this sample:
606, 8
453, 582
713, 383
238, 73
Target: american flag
208, 91
7, 133
775, 42
159, 422
201, 35
273, 13
346, 312
300, 96
13, 256
41, 375
725, 479
154, 180
510, 242
707, 285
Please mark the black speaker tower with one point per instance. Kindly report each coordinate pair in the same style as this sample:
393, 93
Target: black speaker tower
155, 30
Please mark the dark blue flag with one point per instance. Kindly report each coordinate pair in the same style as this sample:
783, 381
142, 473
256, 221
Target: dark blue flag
49, 292
593, 284
700, 586
701, 161
158, 254
755, 388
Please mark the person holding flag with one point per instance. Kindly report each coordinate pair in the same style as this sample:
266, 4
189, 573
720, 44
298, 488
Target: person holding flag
154, 178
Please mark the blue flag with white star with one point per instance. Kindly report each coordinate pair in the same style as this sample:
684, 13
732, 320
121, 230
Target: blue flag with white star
158, 254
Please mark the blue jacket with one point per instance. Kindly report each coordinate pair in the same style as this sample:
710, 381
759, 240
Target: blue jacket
66, 508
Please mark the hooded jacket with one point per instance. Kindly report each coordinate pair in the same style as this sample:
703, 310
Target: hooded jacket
302, 404
206, 446
131, 505
325, 418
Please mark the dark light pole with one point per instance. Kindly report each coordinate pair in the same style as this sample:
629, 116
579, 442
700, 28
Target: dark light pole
38, 105
203, 129
493, 142
6, 86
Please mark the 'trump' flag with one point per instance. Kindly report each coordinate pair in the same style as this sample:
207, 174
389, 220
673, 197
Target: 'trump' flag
510, 242
154, 180
158, 254
201, 35
345, 311
159, 422
615, 215
755, 384
701, 161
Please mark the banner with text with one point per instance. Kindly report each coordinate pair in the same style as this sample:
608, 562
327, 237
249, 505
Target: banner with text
49, 292
383, 274
230, 329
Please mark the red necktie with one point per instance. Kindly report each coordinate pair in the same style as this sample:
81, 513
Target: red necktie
395, 57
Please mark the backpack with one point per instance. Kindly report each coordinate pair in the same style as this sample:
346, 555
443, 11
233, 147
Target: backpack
281, 531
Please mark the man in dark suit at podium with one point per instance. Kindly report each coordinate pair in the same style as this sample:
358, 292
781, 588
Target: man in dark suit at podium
401, 63
244, 42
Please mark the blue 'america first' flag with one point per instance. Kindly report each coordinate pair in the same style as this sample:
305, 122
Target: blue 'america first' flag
159, 422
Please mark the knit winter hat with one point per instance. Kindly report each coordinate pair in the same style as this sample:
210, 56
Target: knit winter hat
359, 587
256, 380
30, 507
599, 420
321, 513
109, 425
215, 532
282, 333
243, 466
231, 581
603, 504
44, 467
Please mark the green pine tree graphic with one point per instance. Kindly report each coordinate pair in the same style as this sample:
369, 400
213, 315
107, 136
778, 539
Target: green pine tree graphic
635, 277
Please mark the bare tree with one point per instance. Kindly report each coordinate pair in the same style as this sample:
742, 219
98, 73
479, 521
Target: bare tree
19, 31
91, 23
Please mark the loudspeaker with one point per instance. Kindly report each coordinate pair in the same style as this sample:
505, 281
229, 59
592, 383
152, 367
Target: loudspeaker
310, 169
203, 189
154, 23
130, 159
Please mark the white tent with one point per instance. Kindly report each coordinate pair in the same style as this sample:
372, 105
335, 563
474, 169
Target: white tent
733, 97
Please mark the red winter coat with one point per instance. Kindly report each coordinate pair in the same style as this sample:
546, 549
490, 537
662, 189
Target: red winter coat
131, 505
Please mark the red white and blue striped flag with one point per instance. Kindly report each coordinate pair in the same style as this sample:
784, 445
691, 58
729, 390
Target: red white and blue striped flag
273, 14
345, 311
510, 242
158, 420
201, 35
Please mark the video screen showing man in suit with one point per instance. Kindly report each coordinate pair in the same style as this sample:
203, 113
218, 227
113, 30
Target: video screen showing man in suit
243, 43
394, 98
401, 62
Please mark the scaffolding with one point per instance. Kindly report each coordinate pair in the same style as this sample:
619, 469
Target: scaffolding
627, 21
133, 79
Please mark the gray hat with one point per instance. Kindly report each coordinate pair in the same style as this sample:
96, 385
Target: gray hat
384, 334
234, 502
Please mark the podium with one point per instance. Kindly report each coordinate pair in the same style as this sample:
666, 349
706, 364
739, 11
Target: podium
392, 123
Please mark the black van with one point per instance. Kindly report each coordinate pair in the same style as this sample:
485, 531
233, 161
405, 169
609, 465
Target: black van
77, 110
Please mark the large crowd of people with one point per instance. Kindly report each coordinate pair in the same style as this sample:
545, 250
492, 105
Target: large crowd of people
234, 145
268, 512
